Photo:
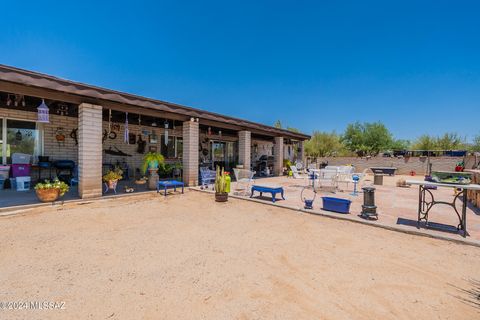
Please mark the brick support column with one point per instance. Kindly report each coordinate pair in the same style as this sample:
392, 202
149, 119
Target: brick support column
89, 150
244, 148
190, 152
278, 156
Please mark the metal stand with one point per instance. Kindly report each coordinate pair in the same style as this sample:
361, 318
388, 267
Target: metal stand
424, 207
355, 179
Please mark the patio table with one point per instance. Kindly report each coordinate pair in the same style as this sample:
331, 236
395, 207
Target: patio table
424, 205
169, 184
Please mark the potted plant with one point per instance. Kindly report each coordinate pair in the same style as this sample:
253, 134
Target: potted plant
221, 194
177, 169
50, 191
151, 161
112, 177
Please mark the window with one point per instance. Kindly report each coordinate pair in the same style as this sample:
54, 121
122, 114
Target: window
179, 147
1, 141
21, 137
167, 150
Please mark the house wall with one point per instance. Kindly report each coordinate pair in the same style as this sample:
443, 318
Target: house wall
136, 159
69, 149
263, 148
56, 150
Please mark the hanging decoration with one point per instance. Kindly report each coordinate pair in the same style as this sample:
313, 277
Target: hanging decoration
165, 124
62, 109
109, 121
125, 136
60, 136
74, 135
209, 131
43, 113
154, 123
18, 136
220, 133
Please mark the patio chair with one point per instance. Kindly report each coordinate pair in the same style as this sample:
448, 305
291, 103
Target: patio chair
345, 175
295, 173
299, 165
207, 176
327, 179
244, 179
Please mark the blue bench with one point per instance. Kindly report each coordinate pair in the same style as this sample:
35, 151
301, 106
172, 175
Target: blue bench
169, 184
272, 190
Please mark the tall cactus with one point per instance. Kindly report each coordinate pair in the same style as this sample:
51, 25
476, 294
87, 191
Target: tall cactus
220, 181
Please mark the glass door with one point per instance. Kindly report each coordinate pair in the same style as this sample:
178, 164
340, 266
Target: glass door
2, 152
218, 154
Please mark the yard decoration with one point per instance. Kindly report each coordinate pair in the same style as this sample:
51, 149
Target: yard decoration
50, 191
221, 194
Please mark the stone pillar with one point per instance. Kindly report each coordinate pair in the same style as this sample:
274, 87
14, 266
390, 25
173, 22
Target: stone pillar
278, 156
244, 148
190, 152
89, 151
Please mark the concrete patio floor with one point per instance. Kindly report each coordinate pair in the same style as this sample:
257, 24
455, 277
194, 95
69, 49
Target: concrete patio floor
12, 199
397, 206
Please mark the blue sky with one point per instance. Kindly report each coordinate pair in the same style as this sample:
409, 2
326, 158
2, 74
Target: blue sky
315, 65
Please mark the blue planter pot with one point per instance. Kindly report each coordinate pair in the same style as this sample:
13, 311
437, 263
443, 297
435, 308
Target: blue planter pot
336, 204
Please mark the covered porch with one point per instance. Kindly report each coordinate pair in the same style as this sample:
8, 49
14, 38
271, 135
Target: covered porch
91, 130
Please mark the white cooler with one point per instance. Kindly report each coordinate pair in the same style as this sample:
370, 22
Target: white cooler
23, 183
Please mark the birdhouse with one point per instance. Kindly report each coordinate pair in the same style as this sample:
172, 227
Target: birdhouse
43, 113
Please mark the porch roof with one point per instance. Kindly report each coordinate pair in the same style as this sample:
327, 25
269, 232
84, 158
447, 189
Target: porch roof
27, 82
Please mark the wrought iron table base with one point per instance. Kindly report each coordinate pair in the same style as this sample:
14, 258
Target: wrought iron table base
424, 207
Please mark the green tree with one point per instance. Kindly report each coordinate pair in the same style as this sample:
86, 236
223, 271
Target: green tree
450, 141
278, 124
476, 143
425, 142
324, 144
400, 144
293, 129
367, 138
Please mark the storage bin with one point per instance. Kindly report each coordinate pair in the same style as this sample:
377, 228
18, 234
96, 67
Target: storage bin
20, 158
20, 170
23, 183
4, 172
336, 204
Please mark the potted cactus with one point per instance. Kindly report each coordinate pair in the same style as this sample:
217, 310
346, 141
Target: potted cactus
221, 194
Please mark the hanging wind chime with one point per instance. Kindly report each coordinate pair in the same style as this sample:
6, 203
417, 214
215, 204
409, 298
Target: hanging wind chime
166, 132
42, 111
109, 121
125, 136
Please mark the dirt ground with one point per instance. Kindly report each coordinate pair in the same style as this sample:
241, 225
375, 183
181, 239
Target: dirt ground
187, 257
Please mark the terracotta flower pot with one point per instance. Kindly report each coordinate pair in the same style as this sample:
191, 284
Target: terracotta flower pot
221, 197
112, 184
48, 195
